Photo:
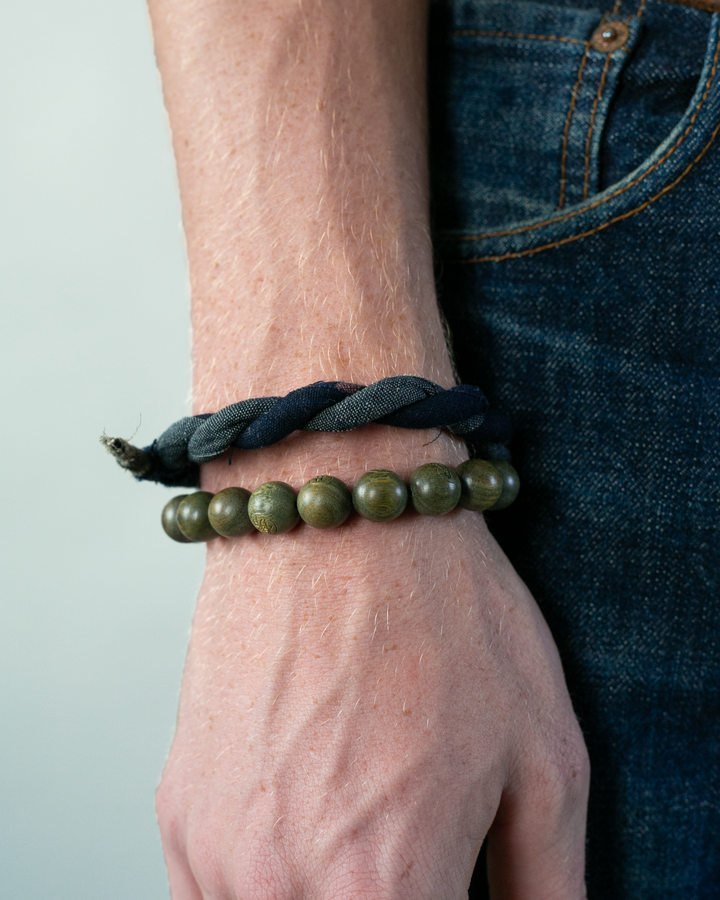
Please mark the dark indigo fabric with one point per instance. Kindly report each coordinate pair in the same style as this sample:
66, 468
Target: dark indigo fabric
402, 401
590, 313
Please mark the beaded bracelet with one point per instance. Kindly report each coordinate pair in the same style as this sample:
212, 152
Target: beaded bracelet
325, 502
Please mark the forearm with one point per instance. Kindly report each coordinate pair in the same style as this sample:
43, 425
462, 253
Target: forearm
299, 133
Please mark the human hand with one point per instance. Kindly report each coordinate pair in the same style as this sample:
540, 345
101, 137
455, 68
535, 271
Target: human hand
359, 709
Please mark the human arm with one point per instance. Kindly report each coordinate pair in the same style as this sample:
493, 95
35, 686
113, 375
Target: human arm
359, 706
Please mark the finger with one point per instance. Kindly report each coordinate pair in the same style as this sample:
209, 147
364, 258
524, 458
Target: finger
536, 845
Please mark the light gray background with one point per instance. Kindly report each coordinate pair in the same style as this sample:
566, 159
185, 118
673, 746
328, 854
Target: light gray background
95, 602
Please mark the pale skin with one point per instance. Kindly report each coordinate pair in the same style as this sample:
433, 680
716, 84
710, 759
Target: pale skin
360, 707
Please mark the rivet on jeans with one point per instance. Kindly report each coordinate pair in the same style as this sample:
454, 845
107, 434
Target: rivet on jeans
609, 37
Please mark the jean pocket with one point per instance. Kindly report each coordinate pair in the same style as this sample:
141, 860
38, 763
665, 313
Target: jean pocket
520, 95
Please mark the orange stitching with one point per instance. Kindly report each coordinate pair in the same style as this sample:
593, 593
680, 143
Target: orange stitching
588, 142
573, 102
531, 37
566, 133
577, 212
598, 96
641, 10
577, 237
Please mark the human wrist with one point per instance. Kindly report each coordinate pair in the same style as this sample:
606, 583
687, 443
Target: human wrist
346, 456
359, 568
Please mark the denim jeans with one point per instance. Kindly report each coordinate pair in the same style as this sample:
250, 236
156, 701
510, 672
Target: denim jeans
577, 229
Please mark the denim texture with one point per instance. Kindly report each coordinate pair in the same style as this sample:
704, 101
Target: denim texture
592, 317
402, 401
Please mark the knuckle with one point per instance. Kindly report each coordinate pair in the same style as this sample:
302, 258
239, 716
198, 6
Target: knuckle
560, 771
256, 870
170, 794
163, 801
223, 860
203, 854
265, 875
166, 808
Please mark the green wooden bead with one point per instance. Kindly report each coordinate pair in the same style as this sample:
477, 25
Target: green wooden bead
169, 520
272, 508
510, 484
380, 495
324, 502
192, 517
435, 489
228, 512
481, 484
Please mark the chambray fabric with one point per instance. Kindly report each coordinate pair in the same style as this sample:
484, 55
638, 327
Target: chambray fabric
401, 401
576, 204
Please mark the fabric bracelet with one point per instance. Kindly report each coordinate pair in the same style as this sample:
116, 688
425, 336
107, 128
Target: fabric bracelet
403, 401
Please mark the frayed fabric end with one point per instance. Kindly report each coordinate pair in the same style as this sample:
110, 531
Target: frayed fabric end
133, 459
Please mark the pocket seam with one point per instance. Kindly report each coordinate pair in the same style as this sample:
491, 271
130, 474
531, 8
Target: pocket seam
568, 122
511, 34
584, 234
588, 141
586, 208
530, 37
603, 78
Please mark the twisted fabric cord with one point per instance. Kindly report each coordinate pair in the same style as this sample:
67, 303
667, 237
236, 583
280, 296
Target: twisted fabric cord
404, 401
